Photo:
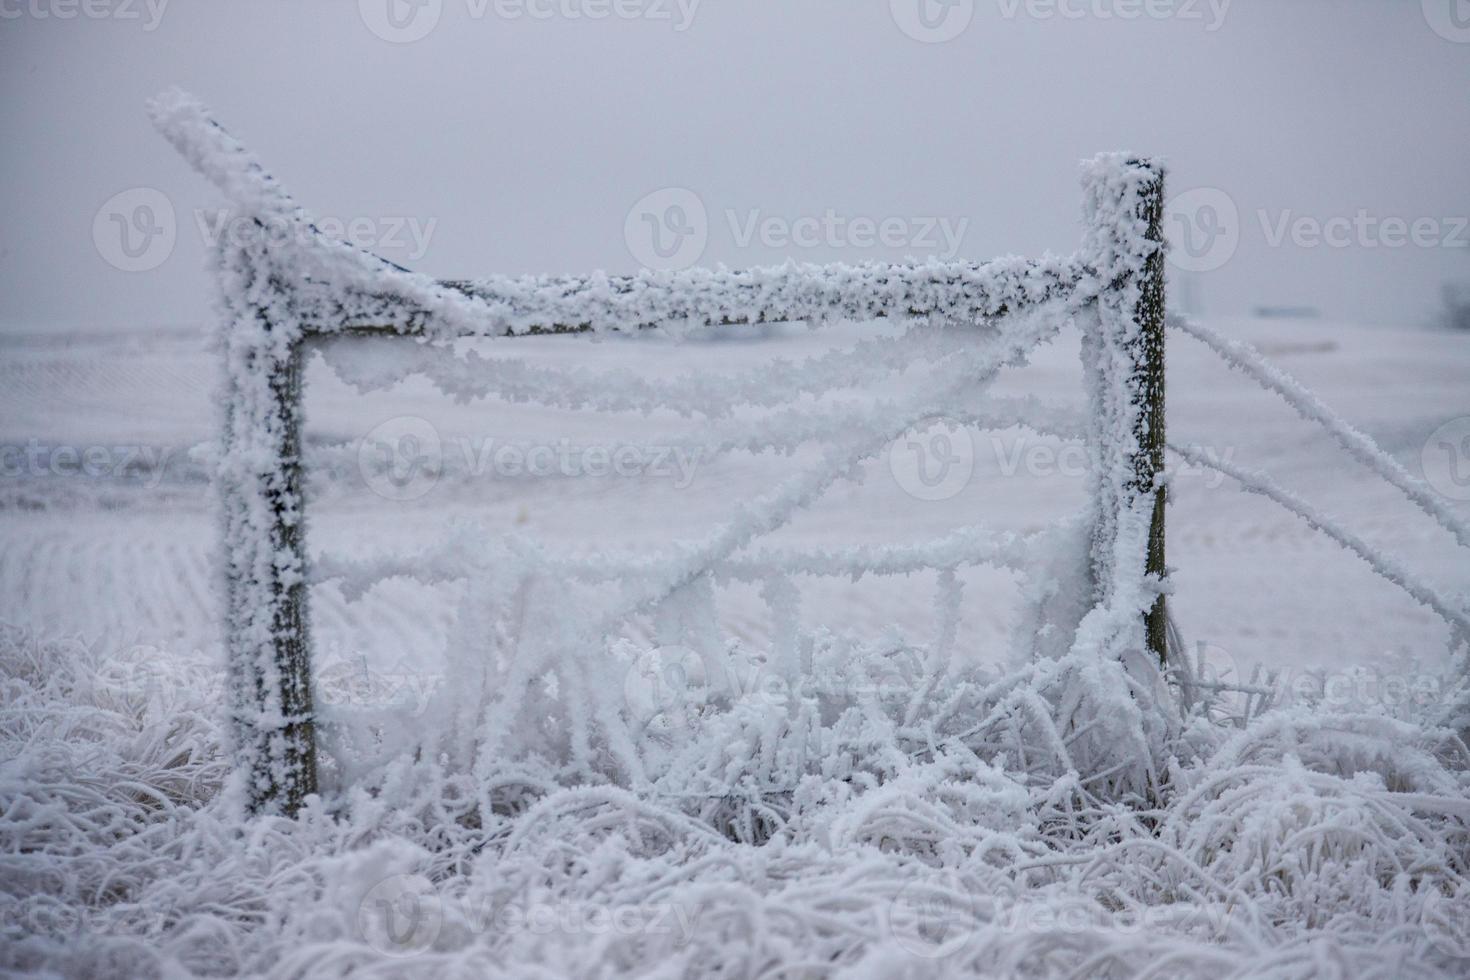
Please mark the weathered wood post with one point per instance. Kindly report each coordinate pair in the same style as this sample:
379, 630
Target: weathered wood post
267, 635
1149, 362
1123, 358
290, 631
258, 479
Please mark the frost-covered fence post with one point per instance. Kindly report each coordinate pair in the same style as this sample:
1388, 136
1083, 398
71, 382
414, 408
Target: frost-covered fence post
267, 639
1123, 358
260, 336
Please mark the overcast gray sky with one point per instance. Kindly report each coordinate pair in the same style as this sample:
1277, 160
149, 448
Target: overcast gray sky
527, 135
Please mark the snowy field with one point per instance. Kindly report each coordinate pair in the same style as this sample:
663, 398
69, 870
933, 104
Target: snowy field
1253, 582
1327, 838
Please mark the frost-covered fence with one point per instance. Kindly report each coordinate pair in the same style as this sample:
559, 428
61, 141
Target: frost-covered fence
279, 293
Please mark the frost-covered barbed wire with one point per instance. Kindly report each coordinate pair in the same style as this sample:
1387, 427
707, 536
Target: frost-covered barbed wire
569, 644
956, 388
1246, 359
376, 363
461, 555
1453, 612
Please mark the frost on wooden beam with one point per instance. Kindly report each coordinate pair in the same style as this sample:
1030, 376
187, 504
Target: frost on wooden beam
528, 305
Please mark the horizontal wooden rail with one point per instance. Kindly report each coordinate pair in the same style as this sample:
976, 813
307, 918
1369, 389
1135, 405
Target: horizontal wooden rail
538, 305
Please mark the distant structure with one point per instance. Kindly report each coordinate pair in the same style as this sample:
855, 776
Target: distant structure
1286, 312
1185, 291
1457, 305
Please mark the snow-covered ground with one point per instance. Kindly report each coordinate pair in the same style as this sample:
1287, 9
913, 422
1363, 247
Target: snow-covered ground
116, 561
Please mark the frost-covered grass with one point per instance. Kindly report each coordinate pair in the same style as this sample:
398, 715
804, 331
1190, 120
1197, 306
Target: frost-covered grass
848, 841
609, 782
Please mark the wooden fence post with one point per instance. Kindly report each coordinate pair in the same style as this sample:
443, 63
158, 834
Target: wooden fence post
292, 633
267, 635
1124, 360
1149, 389
267, 638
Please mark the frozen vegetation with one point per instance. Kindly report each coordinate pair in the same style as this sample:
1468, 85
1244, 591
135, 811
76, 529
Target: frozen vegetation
612, 780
